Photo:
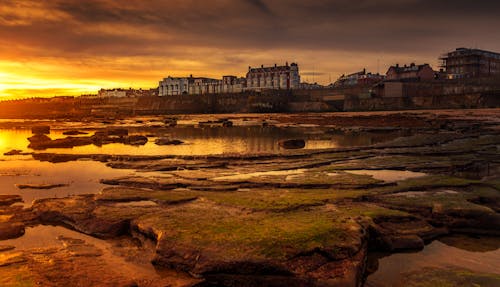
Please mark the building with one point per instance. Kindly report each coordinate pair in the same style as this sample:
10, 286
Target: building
233, 84
310, 86
273, 78
125, 93
257, 79
470, 63
410, 73
171, 86
361, 78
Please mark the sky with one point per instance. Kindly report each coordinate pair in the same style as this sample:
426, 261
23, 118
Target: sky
63, 47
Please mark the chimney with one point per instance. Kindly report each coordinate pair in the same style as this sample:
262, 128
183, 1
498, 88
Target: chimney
397, 65
262, 66
275, 65
286, 63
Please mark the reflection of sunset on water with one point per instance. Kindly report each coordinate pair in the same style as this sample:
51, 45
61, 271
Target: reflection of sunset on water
199, 141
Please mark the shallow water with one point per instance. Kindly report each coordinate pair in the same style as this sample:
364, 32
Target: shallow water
458, 252
203, 140
81, 177
389, 175
44, 236
246, 176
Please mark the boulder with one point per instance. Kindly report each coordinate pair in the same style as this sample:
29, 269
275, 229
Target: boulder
74, 133
136, 140
14, 152
38, 138
40, 130
40, 186
116, 132
292, 144
44, 142
167, 141
171, 122
10, 230
6, 200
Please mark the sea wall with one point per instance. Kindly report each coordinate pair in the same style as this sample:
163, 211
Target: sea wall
469, 93
476, 93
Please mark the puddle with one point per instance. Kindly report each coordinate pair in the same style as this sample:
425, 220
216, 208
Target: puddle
392, 268
247, 176
44, 236
389, 175
301, 176
141, 203
80, 177
199, 140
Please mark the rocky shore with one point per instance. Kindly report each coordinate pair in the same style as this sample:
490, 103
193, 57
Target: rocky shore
294, 218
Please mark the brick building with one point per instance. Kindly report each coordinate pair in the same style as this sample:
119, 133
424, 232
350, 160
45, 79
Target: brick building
411, 72
361, 78
277, 77
470, 63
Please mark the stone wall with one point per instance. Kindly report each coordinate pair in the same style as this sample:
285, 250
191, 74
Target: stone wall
477, 93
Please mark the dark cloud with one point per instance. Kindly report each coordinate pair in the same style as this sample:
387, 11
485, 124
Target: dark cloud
259, 4
388, 25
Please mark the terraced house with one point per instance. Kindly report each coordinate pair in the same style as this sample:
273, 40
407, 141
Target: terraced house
275, 78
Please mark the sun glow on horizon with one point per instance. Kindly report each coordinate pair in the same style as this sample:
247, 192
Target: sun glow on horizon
18, 81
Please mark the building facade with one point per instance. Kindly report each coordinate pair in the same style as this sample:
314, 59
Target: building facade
470, 63
411, 72
233, 84
358, 79
125, 93
257, 79
275, 78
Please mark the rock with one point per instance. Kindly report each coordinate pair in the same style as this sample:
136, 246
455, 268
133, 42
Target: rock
40, 186
221, 122
171, 122
292, 144
117, 132
4, 248
7, 200
74, 133
136, 140
10, 230
14, 152
405, 242
39, 138
40, 130
69, 142
12, 258
167, 141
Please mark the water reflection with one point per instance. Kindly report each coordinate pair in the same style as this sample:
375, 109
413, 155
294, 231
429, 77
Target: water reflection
82, 177
207, 140
458, 251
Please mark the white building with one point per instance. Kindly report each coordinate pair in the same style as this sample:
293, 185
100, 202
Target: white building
257, 79
277, 77
124, 93
233, 84
174, 86
199, 86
